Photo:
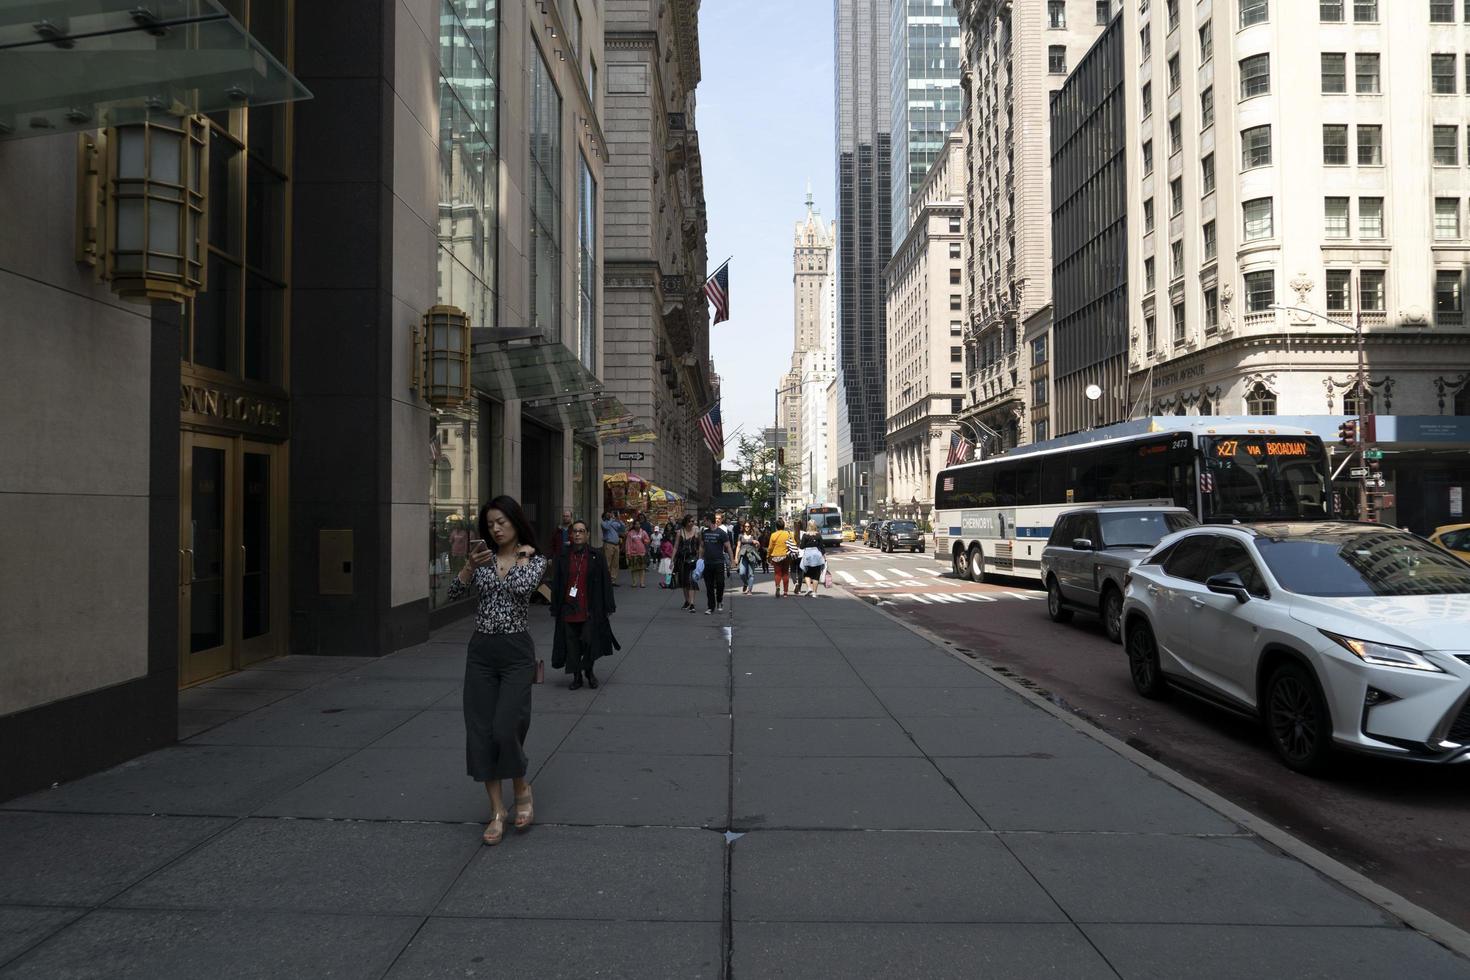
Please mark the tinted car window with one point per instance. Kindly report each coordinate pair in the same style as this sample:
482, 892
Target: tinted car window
1458, 540
1190, 558
1160, 557
1061, 533
1363, 564
1141, 529
1231, 556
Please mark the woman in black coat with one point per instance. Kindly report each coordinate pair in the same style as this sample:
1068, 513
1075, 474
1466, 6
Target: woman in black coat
581, 602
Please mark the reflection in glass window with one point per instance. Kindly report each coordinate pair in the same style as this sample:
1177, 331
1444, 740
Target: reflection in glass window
544, 196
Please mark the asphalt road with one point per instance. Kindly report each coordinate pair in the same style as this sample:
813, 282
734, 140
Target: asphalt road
1402, 825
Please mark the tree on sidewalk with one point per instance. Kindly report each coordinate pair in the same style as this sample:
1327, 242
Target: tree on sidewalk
760, 474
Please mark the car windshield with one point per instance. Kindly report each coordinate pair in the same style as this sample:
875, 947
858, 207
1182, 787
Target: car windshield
1140, 530
1256, 478
901, 526
1363, 563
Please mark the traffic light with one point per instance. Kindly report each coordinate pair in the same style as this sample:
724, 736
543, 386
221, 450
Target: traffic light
1347, 432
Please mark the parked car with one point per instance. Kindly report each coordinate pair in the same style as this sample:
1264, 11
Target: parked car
1089, 552
874, 535
902, 536
1454, 538
1334, 635
848, 534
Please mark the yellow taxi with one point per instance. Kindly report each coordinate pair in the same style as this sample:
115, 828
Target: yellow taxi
848, 534
1454, 538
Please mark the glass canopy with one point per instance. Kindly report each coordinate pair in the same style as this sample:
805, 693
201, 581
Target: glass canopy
88, 64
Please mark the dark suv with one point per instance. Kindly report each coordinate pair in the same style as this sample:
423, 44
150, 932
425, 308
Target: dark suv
1091, 550
901, 536
873, 533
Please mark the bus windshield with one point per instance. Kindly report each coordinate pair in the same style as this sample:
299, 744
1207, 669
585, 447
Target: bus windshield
1253, 478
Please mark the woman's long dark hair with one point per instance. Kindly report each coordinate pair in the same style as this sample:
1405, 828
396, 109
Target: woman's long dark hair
513, 513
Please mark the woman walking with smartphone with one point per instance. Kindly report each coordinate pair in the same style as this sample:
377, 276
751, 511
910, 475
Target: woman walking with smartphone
581, 602
687, 546
500, 666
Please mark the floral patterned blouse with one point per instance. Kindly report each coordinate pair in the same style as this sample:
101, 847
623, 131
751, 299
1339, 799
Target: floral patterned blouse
503, 601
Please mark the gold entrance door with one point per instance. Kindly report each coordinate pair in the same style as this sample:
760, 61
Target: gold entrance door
205, 565
232, 555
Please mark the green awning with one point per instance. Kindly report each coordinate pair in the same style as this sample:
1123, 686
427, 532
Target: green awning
69, 65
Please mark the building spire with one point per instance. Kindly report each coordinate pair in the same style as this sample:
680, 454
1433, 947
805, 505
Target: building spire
809, 197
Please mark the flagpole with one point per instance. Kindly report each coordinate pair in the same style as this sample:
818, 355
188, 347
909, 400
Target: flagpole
719, 267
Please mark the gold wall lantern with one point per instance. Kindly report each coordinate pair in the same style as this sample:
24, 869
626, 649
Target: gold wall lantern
441, 362
142, 216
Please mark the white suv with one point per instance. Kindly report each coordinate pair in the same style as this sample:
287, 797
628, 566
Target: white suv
1335, 635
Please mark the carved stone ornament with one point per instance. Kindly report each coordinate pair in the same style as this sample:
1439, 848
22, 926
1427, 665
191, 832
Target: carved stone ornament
1301, 284
1227, 293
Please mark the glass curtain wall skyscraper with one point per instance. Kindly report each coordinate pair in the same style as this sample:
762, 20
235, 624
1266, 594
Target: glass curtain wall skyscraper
864, 203
924, 93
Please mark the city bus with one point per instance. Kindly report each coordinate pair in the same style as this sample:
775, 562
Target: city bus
994, 516
828, 518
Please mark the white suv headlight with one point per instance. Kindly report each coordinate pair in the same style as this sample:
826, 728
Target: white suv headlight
1383, 655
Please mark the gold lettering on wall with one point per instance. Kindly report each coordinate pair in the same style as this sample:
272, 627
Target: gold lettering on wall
241, 411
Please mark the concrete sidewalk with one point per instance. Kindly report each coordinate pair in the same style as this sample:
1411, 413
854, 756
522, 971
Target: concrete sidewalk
713, 810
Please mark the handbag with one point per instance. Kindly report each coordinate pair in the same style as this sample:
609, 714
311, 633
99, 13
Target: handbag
540, 677
792, 549
827, 580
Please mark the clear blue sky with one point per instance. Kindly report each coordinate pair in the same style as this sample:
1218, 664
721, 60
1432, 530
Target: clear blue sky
765, 123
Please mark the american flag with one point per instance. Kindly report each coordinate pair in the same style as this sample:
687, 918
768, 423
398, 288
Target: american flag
713, 431
717, 288
959, 449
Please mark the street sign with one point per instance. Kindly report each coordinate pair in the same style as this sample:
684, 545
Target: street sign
1377, 481
631, 457
1358, 472
1373, 454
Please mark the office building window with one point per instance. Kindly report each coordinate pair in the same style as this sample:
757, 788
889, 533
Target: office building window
954, 277
1370, 146
1446, 218
1255, 147
1145, 43
1039, 431
1255, 76
956, 405
1447, 291
1254, 12
1148, 157
1335, 146
954, 250
1174, 74
1056, 59
1056, 14
1335, 217
1260, 291
1356, 401
1207, 174
1334, 73
587, 266
1038, 351
1365, 11
1339, 290
1259, 400
1446, 146
1148, 216
956, 355
1176, 196
1370, 217
1442, 74
1146, 97
1372, 290
1207, 107
1441, 11
1176, 135
956, 328
1212, 311
1178, 316
1038, 392
1208, 238
1366, 80
1172, 9
954, 301
954, 224
1148, 274
956, 381
1206, 41
1103, 11
1176, 259
1330, 11
545, 202
1150, 334
1258, 223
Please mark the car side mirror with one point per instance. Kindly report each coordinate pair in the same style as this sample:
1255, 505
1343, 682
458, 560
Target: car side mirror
1228, 583
1082, 544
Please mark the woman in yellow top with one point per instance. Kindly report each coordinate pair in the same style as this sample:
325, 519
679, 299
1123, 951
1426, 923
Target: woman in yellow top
776, 552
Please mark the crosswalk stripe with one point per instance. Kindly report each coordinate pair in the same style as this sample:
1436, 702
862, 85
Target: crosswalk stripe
910, 595
944, 597
899, 572
974, 597
876, 575
931, 571
848, 577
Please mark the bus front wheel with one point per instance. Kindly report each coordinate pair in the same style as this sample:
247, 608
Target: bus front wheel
977, 565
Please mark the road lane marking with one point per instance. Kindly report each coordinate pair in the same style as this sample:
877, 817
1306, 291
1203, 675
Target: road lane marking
877, 575
848, 577
931, 571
